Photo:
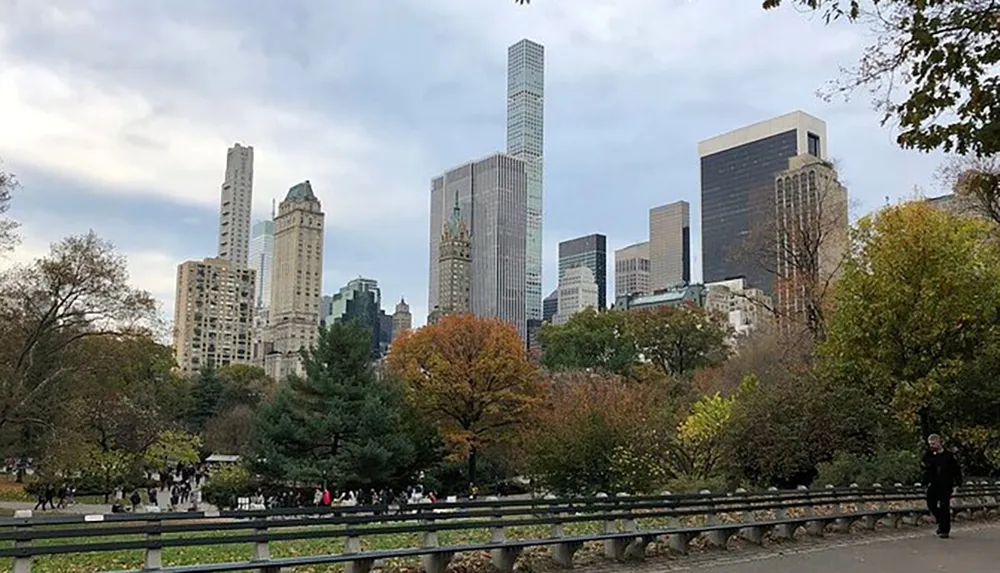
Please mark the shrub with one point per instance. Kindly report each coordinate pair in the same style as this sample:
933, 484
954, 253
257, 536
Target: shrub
885, 467
227, 484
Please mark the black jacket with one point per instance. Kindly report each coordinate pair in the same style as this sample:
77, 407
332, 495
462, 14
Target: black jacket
941, 470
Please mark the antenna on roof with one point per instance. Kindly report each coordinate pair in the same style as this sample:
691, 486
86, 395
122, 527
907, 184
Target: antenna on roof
273, 201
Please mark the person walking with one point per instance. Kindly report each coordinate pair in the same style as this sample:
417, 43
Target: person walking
942, 474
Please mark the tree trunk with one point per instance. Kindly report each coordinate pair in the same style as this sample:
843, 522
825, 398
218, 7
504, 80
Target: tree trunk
473, 454
924, 416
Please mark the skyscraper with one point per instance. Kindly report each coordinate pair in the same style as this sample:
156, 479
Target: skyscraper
213, 314
525, 141
737, 188
632, 270
262, 259
492, 201
360, 301
237, 201
669, 245
812, 236
550, 306
591, 252
297, 280
402, 320
455, 264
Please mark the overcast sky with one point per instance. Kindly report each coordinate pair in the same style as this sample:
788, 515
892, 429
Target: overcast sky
116, 115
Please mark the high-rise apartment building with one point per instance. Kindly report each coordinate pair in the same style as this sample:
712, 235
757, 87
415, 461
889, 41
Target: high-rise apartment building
492, 198
236, 205
296, 281
669, 245
737, 182
402, 320
525, 141
591, 252
577, 291
811, 224
213, 314
632, 270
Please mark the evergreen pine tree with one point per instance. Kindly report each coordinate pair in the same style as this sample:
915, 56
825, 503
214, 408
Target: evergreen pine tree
340, 424
206, 398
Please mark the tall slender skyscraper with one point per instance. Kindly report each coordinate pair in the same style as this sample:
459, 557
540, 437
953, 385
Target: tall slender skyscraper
669, 245
237, 201
297, 280
525, 141
737, 189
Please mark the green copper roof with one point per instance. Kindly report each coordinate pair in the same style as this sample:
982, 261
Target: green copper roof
301, 192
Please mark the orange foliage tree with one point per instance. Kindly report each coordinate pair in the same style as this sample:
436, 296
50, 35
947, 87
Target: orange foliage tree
472, 376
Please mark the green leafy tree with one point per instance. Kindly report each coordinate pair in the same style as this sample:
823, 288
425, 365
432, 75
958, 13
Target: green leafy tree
207, 394
590, 340
80, 290
244, 385
917, 305
680, 339
699, 436
340, 424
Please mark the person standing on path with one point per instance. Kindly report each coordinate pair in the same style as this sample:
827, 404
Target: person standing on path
942, 474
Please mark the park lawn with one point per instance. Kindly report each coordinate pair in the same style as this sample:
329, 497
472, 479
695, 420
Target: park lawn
124, 560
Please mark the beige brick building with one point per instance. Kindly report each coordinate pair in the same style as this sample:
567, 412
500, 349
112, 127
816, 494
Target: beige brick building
213, 314
632, 270
296, 282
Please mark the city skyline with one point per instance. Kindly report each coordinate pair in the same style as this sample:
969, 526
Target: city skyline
135, 154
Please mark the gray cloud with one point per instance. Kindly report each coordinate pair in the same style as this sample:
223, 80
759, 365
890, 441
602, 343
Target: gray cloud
369, 99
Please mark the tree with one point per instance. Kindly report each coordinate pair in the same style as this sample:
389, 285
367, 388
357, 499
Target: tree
600, 434
679, 339
801, 241
945, 53
79, 291
244, 385
699, 435
471, 375
8, 227
231, 431
207, 394
976, 184
781, 429
340, 423
597, 340
917, 305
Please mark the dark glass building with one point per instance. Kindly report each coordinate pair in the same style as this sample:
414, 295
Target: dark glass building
550, 306
591, 252
737, 190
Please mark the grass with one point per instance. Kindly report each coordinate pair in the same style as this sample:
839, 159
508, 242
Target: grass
122, 560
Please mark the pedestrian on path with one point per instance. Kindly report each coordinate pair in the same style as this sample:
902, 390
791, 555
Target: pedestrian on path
942, 474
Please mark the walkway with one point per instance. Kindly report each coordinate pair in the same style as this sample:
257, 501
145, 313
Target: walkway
974, 548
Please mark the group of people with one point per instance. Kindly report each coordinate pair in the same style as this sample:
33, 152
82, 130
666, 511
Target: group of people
47, 496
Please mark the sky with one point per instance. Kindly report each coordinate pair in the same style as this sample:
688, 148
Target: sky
115, 115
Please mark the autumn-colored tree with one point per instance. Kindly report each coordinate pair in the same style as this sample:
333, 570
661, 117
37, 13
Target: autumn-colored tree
471, 375
600, 341
917, 308
598, 433
80, 290
678, 340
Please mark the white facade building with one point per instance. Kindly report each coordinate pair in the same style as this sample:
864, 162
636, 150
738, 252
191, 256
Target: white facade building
577, 291
746, 308
236, 205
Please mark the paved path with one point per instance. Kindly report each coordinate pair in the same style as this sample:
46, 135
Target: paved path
972, 549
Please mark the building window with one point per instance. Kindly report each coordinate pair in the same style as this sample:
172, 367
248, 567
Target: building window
813, 142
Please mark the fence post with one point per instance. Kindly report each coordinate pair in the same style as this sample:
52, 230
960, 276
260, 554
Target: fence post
360, 565
23, 564
781, 530
153, 558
